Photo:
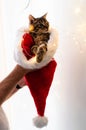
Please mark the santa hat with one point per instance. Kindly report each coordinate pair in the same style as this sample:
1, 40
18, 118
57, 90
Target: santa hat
40, 80
39, 83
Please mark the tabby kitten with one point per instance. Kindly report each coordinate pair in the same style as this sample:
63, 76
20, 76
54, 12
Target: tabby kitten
39, 30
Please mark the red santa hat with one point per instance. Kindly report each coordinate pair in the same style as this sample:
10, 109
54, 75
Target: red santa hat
40, 80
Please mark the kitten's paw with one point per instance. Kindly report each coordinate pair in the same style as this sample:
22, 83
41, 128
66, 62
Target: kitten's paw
34, 49
39, 57
40, 54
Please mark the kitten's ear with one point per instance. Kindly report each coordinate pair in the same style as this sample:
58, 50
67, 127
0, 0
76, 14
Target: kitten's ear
31, 18
44, 16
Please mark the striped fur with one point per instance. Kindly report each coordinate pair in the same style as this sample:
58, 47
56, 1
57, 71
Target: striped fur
41, 35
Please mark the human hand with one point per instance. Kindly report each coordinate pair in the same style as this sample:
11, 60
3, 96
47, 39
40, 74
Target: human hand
22, 82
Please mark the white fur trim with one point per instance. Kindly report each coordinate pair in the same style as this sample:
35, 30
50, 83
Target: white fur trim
32, 64
40, 122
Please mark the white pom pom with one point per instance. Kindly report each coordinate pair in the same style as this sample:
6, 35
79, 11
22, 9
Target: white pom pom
40, 122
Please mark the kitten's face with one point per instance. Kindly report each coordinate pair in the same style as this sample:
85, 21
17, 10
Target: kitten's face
38, 24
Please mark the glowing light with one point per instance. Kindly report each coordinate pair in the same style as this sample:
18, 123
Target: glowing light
74, 38
77, 10
81, 51
85, 42
76, 42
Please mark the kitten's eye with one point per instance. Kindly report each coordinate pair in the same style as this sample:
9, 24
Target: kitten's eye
42, 26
